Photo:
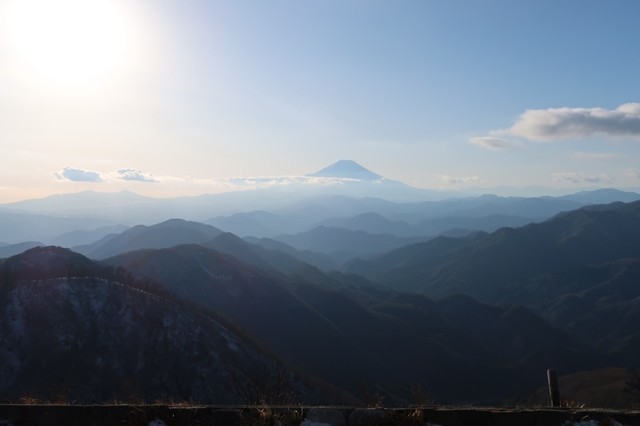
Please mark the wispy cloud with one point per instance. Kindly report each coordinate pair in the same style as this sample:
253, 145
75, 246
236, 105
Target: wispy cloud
579, 177
259, 181
268, 181
134, 175
579, 155
218, 184
451, 180
634, 173
556, 124
494, 143
78, 175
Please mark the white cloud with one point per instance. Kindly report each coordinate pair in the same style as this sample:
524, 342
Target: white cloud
134, 175
81, 175
459, 180
578, 177
493, 143
78, 175
553, 124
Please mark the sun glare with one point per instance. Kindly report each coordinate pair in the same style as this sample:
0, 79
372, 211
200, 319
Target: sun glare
70, 42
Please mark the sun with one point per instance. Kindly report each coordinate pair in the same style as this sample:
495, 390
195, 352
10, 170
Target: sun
69, 42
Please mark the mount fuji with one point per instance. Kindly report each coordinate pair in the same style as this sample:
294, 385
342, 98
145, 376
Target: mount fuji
350, 179
347, 169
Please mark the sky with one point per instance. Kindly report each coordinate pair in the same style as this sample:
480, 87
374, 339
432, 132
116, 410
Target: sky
168, 97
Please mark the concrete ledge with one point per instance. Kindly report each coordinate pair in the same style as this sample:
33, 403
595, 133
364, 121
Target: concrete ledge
166, 415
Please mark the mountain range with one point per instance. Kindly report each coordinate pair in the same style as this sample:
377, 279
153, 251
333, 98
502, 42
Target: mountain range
349, 333
579, 270
309, 292
338, 192
76, 331
585, 236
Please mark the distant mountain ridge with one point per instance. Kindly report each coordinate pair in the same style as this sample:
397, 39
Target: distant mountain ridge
162, 235
8, 250
18, 226
588, 235
296, 204
579, 270
175, 232
94, 199
342, 244
410, 219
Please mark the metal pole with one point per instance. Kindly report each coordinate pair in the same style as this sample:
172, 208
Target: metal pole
554, 393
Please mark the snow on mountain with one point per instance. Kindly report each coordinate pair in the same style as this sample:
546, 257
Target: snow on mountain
347, 169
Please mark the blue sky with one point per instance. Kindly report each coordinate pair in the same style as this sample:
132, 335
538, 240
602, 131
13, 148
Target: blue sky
432, 93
